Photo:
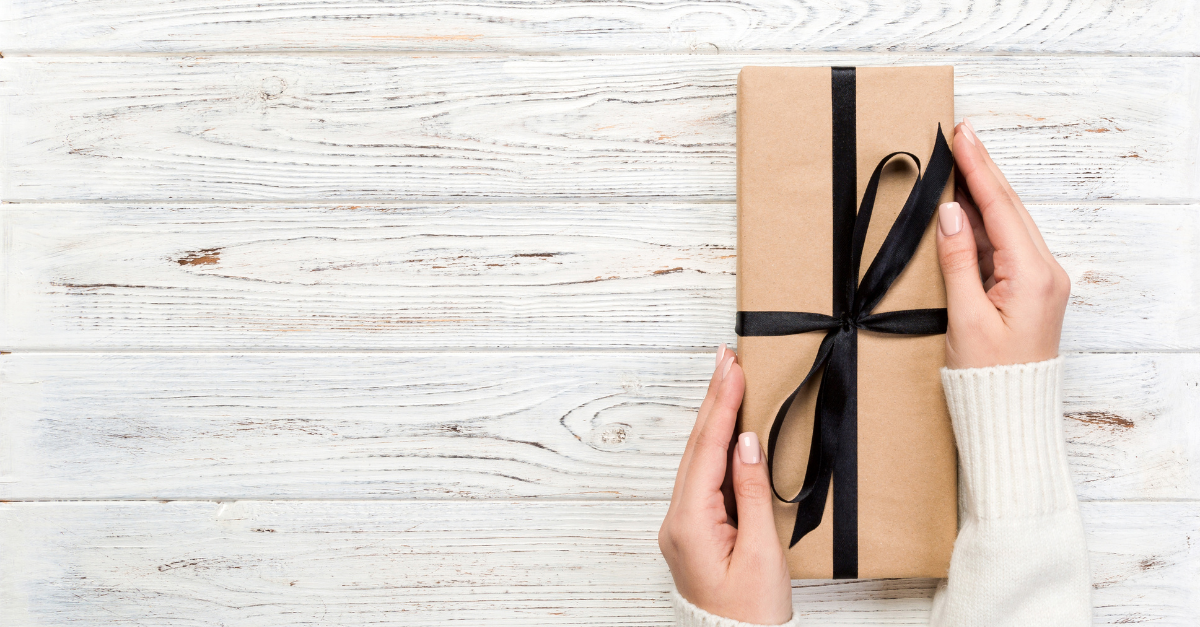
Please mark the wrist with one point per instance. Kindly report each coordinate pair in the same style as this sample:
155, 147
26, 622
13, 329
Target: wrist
1008, 425
687, 614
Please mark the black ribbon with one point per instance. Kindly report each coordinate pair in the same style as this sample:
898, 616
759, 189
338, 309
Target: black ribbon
833, 453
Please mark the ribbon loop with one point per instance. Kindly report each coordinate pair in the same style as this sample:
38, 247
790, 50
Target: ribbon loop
832, 456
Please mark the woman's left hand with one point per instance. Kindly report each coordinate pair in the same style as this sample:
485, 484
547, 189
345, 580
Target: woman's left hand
736, 570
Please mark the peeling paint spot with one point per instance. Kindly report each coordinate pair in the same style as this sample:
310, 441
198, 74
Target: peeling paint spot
1105, 419
206, 257
1151, 563
1096, 278
668, 271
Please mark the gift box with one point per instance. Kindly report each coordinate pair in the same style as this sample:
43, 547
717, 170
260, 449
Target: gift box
841, 312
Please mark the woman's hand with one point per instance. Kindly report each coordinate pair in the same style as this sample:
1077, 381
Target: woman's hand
1006, 294
738, 572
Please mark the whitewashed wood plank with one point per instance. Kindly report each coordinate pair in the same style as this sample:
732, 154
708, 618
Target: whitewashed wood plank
626, 126
1004, 26
657, 275
503, 563
471, 425
1133, 425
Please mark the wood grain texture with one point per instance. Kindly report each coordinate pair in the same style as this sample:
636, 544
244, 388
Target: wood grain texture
518, 487
512, 275
471, 425
500, 563
626, 126
574, 26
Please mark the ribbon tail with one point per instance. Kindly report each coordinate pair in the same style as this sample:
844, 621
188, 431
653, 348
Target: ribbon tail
833, 449
823, 448
810, 502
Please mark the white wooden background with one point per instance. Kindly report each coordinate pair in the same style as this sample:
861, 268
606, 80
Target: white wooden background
339, 311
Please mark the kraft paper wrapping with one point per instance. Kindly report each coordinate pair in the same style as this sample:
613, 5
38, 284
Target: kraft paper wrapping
907, 462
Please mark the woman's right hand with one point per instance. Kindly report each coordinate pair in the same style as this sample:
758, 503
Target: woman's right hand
1006, 295
731, 569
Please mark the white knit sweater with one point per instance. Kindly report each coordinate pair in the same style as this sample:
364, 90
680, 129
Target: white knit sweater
1020, 557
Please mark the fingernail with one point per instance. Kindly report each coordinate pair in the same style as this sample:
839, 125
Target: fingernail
950, 218
967, 131
725, 370
967, 121
720, 354
748, 448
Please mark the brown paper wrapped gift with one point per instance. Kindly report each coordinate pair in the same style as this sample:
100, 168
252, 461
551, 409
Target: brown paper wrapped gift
890, 509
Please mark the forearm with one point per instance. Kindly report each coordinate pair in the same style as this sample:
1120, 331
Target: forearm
1020, 556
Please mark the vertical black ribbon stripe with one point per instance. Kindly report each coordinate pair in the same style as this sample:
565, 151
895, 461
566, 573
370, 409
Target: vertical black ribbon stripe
845, 197
833, 452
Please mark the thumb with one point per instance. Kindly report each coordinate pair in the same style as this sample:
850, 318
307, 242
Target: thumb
960, 261
752, 491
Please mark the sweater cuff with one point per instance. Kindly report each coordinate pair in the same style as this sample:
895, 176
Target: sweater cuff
1008, 426
688, 615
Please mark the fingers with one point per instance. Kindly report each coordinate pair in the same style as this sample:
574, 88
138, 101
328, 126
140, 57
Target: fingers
757, 551
680, 475
983, 246
959, 259
706, 467
752, 491
1006, 228
1030, 226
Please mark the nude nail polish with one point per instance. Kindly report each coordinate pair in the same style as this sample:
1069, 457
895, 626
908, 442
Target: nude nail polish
968, 131
950, 218
728, 365
720, 354
748, 448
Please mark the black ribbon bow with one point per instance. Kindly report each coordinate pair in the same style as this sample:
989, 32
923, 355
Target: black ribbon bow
833, 453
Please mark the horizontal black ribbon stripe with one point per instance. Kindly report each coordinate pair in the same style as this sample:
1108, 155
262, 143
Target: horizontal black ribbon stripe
833, 453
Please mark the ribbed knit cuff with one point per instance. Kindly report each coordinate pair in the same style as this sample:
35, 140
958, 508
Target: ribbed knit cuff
1012, 453
688, 615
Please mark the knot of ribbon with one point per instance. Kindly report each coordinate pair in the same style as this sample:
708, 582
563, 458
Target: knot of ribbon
833, 452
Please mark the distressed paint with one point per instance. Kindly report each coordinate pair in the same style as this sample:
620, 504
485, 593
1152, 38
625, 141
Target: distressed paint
1164, 27
353, 128
516, 486
407, 276
603, 425
259, 563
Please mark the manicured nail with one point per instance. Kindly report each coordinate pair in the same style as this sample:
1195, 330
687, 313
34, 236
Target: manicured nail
728, 364
748, 448
968, 132
720, 354
967, 121
950, 218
